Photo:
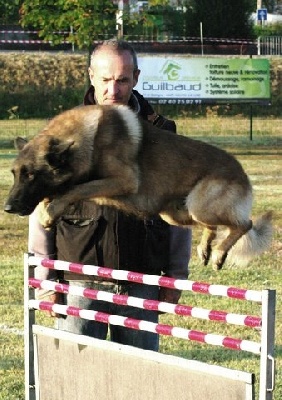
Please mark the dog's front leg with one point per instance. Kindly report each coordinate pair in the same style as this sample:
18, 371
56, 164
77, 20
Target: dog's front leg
49, 211
103, 188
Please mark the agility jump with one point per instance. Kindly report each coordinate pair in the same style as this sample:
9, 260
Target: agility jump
265, 322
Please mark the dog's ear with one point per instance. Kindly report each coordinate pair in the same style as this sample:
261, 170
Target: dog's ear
58, 153
19, 143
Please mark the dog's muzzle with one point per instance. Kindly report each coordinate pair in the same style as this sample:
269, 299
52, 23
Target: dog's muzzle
8, 208
14, 210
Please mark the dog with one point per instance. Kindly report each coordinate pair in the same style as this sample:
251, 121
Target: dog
109, 155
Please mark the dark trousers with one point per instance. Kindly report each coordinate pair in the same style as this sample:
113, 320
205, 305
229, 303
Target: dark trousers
142, 339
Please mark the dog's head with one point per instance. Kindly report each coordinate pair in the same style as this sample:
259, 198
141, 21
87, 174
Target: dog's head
41, 170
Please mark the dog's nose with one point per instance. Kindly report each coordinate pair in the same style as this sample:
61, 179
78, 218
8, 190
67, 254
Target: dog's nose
8, 208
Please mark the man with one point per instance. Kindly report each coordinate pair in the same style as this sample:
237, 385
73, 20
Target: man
90, 234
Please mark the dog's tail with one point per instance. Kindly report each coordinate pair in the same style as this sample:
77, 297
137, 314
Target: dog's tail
253, 243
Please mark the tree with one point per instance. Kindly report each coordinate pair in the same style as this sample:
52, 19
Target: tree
83, 21
156, 21
9, 11
220, 18
269, 4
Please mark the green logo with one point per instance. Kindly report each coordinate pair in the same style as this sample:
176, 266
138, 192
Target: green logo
171, 70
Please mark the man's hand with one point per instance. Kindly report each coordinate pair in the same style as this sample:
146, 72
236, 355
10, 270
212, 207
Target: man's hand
54, 298
169, 295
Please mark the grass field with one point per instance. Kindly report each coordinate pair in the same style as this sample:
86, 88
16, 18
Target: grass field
262, 161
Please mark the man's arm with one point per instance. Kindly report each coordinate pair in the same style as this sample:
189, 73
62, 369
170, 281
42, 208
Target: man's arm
41, 243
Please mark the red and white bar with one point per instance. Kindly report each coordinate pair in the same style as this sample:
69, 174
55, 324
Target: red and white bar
25, 41
162, 329
154, 305
35, 32
107, 273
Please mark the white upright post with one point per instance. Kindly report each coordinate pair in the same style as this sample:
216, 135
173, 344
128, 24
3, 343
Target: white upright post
29, 320
267, 366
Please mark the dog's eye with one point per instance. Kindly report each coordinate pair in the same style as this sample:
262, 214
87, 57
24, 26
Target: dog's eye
26, 174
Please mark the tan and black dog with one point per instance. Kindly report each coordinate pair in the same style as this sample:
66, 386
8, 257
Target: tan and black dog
111, 156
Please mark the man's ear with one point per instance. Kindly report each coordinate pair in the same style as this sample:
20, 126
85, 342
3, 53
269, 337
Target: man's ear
90, 75
59, 152
19, 143
136, 74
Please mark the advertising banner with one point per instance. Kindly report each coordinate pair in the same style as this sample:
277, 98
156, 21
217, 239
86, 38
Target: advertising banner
183, 80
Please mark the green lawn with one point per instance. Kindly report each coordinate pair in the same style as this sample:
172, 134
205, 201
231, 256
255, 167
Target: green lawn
262, 161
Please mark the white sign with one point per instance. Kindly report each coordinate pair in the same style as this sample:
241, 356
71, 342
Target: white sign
183, 80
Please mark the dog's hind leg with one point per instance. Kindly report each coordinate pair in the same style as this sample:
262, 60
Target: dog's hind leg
220, 251
176, 213
204, 249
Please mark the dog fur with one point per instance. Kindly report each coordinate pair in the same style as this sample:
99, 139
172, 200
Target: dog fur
110, 155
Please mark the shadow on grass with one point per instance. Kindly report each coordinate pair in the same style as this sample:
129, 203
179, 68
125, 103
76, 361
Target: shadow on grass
6, 144
7, 156
9, 363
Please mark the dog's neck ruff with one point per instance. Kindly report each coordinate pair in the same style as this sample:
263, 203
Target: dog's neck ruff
131, 121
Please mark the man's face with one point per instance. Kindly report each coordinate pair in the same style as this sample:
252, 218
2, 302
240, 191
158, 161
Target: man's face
113, 77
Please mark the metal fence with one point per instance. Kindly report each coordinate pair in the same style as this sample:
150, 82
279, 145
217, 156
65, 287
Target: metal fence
270, 45
205, 126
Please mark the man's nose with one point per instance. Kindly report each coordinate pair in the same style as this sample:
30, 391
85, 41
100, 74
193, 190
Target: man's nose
113, 87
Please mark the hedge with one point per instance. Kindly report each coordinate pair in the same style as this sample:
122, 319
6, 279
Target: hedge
39, 85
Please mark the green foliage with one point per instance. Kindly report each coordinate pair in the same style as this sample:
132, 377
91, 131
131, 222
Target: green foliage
276, 82
268, 29
84, 21
9, 11
171, 22
156, 23
220, 18
270, 5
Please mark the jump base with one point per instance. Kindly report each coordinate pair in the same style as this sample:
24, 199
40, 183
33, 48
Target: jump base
69, 366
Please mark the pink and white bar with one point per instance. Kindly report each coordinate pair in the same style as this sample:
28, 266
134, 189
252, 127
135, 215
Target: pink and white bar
154, 305
107, 273
36, 32
161, 329
25, 41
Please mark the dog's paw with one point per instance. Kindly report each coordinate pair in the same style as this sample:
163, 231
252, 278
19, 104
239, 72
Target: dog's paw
218, 258
204, 253
42, 214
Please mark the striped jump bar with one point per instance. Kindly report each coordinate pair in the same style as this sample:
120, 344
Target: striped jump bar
154, 305
162, 329
107, 273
